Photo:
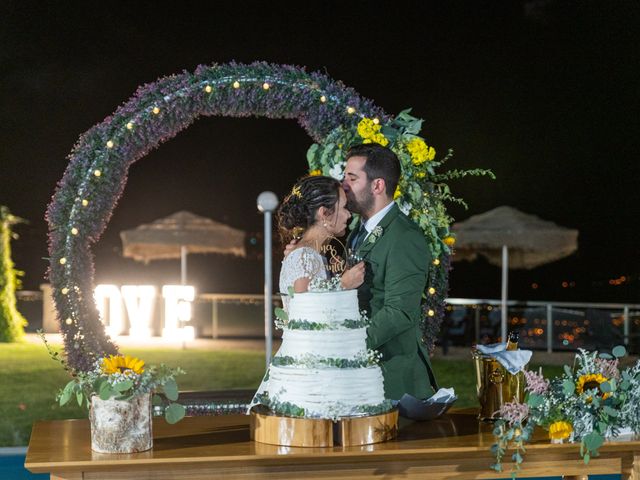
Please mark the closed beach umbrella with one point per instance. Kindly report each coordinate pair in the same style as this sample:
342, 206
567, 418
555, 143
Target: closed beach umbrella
179, 234
509, 238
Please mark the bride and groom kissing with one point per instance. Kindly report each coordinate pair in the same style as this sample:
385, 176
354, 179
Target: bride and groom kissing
393, 255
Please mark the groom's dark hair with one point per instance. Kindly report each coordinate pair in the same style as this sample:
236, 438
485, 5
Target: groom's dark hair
381, 163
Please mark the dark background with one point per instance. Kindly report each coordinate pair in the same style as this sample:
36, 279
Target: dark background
545, 93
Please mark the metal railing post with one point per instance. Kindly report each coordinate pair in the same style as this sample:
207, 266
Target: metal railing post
625, 318
549, 328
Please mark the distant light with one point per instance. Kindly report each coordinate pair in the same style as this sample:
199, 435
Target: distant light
323, 99
265, 86
351, 110
431, 313
432, 290
565, 284
156, 110
110, 144
85, 202
97, 173
62, 261
130, 126
74, 231
236, 84
208, 89
534, 285
436, 262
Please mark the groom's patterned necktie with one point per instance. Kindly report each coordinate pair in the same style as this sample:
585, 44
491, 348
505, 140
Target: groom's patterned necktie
357, 240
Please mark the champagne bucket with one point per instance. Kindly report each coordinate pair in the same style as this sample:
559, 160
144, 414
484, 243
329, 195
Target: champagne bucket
495, 386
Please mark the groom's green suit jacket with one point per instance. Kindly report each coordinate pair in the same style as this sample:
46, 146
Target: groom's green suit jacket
397, 259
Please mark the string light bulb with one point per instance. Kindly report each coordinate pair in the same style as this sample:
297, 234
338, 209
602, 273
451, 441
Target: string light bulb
85, 202
74, 231
97, 173
156, 110
68, 321
130, 126
64, 291
110, 144
265, 86
432, 291
431, 313
436, 262
376, 121
208, 89
63, 260
236, 84
351, 110
323, 99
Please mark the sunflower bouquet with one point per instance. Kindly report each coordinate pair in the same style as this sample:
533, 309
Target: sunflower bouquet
122, 377
590, 402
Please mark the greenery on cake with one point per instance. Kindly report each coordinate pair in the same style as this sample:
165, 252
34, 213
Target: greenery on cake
364, 359
289, 409
346, 324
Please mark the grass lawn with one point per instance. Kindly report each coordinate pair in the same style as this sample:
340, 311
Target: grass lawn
29, 380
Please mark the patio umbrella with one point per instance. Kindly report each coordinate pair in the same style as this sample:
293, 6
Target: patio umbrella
509, 238
179, 234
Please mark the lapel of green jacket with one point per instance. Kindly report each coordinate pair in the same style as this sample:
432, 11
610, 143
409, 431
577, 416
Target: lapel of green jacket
369, 242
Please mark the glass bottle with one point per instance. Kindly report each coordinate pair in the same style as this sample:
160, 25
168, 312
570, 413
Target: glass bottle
512, 340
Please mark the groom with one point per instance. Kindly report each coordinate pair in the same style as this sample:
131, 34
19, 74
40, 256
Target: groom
397, 258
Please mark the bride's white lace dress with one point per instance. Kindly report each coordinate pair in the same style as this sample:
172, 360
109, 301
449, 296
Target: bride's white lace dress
303, 262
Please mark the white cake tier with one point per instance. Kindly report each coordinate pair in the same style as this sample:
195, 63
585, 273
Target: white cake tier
323, 343
327, 392
325, 307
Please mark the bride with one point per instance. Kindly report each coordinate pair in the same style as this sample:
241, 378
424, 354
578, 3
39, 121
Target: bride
314, 212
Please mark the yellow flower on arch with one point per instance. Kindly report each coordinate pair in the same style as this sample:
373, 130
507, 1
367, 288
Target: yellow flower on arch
315, 173
449, 241
560, 430
397, 193
121, 364
367, 129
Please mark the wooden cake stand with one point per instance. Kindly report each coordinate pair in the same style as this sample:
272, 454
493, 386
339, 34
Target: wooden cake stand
268, 427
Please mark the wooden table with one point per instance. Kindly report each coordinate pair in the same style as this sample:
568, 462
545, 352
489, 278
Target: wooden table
454, 446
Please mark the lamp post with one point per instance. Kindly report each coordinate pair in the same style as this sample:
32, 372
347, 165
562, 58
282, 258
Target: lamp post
267, 203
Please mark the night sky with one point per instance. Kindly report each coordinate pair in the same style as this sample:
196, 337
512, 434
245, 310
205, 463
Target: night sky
544, 93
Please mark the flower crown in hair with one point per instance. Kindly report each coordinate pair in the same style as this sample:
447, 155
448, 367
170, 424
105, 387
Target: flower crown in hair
295, 191
297, 232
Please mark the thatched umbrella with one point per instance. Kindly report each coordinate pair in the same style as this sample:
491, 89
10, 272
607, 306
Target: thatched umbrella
178, 234
509, 238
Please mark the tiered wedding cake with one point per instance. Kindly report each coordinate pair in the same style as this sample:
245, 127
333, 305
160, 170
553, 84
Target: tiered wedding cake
323, 368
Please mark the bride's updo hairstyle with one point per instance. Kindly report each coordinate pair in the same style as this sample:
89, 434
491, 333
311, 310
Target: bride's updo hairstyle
298, 210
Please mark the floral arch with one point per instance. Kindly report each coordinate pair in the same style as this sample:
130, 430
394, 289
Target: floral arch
335, 117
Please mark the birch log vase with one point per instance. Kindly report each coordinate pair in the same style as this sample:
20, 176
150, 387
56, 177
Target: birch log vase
121, 426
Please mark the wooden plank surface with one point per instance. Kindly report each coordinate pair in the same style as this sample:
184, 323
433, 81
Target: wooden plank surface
456, 445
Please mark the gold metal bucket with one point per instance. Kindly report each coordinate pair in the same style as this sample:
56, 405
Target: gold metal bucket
495, 386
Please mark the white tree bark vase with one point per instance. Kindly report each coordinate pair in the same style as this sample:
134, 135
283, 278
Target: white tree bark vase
121, 426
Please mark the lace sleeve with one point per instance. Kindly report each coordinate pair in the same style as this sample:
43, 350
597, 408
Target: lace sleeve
301, 263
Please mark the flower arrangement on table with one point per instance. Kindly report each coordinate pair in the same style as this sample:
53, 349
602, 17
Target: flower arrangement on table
591, 401
122, 377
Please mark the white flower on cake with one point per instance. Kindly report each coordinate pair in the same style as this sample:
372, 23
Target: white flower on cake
333, 284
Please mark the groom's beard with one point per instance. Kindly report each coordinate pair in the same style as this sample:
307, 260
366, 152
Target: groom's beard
360, 205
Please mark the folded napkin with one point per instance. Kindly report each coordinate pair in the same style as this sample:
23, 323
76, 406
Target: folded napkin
513, 360
428, 408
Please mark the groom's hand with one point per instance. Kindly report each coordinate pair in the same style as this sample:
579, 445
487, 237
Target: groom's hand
290, 247
354, 276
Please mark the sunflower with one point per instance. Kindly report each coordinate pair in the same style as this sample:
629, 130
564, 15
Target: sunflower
560, 430
589, 382
122, 364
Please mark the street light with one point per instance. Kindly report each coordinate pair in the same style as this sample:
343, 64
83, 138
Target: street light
267, 203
